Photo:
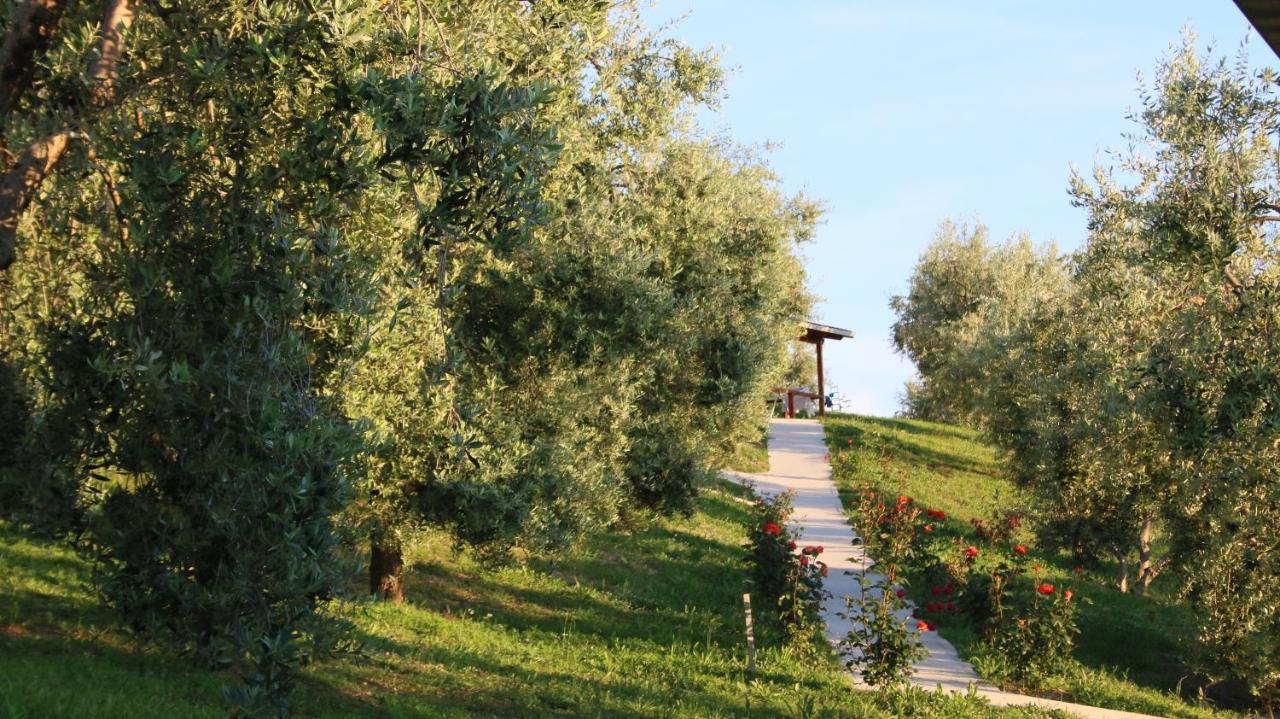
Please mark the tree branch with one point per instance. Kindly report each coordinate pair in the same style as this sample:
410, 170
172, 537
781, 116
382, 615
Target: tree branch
104, 67
30, 30
29, 171
20, 184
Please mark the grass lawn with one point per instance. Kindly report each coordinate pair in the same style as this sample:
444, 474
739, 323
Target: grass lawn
645, 623
1132, 652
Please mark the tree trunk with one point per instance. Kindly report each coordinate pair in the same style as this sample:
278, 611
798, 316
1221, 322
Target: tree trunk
30, 31
104, 67
1122, 576
386, 571
1144, 558
30, 169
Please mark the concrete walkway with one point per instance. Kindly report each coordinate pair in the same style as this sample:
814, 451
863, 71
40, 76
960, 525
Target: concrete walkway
797, 462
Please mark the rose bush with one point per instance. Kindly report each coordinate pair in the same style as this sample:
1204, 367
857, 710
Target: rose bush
883, 643
785, 576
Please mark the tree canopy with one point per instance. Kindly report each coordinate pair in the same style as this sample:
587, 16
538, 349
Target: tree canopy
1138, 397
284, 277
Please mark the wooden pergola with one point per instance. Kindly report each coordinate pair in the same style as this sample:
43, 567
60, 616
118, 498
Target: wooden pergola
1265, 17
816, 334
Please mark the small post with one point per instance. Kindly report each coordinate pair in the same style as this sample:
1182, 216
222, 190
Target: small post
751, 638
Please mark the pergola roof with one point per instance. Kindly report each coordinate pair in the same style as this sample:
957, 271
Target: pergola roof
814, 331
1265, 16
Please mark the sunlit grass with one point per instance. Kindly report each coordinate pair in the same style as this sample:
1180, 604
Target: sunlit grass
639, 623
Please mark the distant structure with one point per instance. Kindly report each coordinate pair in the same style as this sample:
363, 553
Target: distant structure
815, 334
1265, 17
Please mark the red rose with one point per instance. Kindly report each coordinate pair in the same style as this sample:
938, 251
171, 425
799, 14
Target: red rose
824, 570
902, 593
1067, 594
971, 552
935, 591
947, 589
791, 545
1078, 570
851, 441
924, 626
1020, 549
928, 528
804, 561
1045, 589
903, 500
771, 529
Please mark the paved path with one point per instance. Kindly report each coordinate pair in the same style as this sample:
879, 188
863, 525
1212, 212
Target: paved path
797, 462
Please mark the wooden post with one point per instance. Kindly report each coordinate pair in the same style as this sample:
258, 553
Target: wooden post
791, 404
751, 638
822, 390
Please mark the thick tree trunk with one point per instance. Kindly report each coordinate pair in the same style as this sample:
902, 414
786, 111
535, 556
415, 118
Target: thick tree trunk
30, 29
386, 571
20, 184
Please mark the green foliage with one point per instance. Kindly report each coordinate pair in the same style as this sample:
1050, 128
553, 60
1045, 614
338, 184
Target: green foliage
370, 270
963, 293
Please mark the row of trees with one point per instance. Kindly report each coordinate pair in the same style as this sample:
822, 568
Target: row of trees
1135, 385
288, 277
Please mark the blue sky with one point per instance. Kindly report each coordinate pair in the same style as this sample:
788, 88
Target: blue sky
899, 114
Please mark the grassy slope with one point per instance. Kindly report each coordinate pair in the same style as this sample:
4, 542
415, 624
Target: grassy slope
641, 624
1130, 651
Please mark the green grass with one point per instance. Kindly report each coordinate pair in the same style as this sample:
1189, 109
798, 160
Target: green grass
750, 457
645, 623
1132, 652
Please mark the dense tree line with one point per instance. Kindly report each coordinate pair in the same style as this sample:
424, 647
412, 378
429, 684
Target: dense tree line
1135, 386
286, 279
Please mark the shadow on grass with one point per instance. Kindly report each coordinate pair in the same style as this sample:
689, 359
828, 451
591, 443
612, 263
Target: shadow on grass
911, 426
913, 454
514, 687
86, 672
677, 582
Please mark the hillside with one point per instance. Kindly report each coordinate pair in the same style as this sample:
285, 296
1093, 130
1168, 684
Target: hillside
1132, 652
644, 623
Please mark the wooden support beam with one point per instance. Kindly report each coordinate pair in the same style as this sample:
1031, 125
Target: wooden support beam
822, 390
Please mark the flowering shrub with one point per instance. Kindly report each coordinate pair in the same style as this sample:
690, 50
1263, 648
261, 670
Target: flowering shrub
1030, 626
784, 575
884, 642
1027, 623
